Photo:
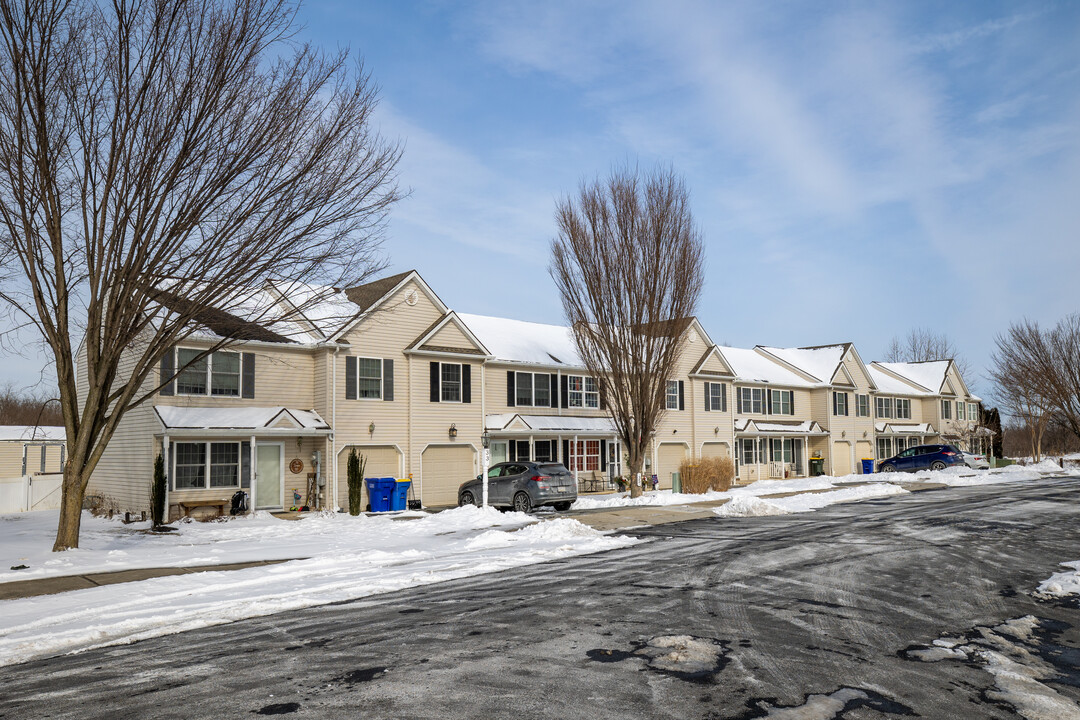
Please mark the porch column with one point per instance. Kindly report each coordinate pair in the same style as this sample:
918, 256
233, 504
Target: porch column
532, 448
168, 475
573, 449
255, 475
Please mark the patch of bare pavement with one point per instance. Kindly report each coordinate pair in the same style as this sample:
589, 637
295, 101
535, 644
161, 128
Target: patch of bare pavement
917, 605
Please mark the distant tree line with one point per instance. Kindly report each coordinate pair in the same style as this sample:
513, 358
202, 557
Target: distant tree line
25, 408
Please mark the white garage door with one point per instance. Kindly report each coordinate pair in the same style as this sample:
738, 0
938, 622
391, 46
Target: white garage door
669, 456
715, 450
382, 461
841, 458
444, 468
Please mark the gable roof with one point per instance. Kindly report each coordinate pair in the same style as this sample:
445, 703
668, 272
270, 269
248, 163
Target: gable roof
820, 362
219, 322
366, 295
450, 317
929, 375
37, 433
520, 341
370, 296
755, 367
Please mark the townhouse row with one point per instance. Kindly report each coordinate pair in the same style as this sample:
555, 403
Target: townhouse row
388, 369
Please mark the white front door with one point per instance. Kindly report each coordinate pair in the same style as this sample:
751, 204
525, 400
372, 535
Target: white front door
270, 476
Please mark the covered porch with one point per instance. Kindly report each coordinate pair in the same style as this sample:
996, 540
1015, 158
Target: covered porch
773, 450
587, 446
274, 454
894, 438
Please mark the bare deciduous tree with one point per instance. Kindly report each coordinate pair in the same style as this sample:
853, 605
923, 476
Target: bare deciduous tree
925, 345
629, 265
1037, 372
187, 146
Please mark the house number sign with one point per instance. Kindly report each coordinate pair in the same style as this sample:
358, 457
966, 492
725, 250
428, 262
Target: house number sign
296, 466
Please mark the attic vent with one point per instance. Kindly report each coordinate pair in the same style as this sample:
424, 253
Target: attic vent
410, 297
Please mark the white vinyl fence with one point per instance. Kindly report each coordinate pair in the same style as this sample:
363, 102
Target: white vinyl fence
31, 492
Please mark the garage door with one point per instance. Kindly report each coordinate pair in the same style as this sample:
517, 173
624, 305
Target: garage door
444, 468
862, 450
841, 458
382, 461
715, 450
669, 456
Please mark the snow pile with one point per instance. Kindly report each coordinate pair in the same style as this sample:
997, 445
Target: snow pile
344, 558
1062, 583
750, 506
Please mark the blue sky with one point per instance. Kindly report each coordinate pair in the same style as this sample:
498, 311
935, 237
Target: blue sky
857, 169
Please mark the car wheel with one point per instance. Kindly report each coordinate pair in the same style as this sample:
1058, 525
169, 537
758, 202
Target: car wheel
887, 468
937, 465
562, 507
522, 502
466, 499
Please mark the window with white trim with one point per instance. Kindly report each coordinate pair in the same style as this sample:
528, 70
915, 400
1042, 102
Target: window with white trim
839, 403
584, 455
369, 378
752, 400
960, 414
200, 465
862, 406
717, 396
903, 408
748, 454
781, 402
672, 395
973, 412
582, 391
217, 374
883, 407
884, 449
450, 382
946, 409
532, 389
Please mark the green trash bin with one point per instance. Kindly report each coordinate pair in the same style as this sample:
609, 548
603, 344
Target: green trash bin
676, 482
817, 466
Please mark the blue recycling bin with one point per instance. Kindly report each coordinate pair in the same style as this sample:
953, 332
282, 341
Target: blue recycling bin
868, 466
400, 500
380, 493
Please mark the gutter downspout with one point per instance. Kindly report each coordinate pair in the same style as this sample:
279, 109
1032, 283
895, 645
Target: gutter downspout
333, 431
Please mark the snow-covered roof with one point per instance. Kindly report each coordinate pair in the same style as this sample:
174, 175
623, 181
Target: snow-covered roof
889, 385
748, 426
22, 433
752, 366
238, 418
551, 423
931, 374
524, 342
821, 362
905, 428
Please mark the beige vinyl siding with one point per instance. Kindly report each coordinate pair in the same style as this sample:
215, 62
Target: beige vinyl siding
715, 450
11, 457
450, 335
863, 450
495, 374
669, 456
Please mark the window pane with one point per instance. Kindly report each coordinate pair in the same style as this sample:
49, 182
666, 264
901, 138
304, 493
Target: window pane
369, 378
541, 390
672, 395
190, 465
224, 464
524, 393
225, 374
451, 382
576, 385
192, 380
592, 393
715, 396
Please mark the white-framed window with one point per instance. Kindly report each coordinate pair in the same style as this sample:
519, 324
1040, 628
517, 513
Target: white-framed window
200, 465
748, 451
584, 455
781, 402
217, 374
532, 389
839, 403
883, 407
960, 414
369, 378
884, 448
752, 400
903, 408
862, 406
973, 412
582, 391
717, 395
450, 382
946, 409
672, 395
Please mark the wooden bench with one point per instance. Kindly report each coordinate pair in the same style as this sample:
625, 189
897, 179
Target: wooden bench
186, 506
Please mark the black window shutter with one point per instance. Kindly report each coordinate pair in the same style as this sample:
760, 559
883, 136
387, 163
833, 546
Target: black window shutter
682, 396
511, 388
723, 397
511, 451
564, 396
245, 464
248, 380
350, 377
846, 410
834, 403
603, 456
466, 383
792, 403
566, 451
387, 379
434, 382
554, 390
167, 370
603, 400
708, 397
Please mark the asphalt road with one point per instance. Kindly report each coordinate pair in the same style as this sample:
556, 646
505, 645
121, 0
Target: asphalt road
834, 604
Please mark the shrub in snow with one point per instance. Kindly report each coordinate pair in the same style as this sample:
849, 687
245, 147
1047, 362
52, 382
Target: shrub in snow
157, 493
707, 474
355, 473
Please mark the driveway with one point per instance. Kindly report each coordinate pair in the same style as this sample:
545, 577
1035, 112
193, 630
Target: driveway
834, 612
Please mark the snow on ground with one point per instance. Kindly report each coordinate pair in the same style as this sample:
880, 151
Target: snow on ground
753, 506
346, 558
1062, 583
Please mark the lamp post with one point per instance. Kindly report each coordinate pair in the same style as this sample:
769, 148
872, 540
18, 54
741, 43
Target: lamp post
485, 439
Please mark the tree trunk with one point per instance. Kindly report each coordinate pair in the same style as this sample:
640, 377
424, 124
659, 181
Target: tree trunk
636, 460
67, 533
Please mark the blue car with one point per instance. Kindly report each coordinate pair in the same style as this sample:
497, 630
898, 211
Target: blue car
923, 457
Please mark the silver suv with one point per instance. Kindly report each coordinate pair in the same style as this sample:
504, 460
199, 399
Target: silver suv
522, 486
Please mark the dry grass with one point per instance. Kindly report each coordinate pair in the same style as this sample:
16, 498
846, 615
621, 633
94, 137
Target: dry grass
707, 474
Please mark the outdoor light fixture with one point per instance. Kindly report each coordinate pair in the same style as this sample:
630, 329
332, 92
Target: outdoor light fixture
716, 430
675, 431
371, 428
485, 439
453, 431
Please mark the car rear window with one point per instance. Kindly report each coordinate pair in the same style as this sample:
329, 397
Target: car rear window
554, 469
